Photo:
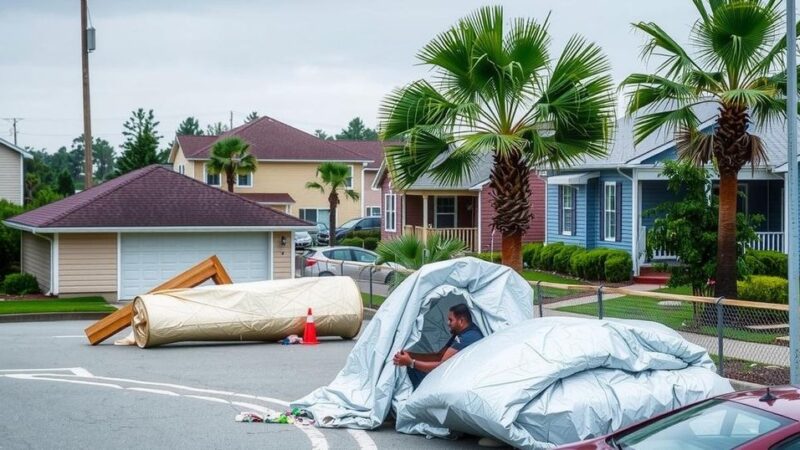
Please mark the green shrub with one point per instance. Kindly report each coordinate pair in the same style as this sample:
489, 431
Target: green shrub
489, 256
618, 267
764, 288
20, 284
577, 263
561, 260
547, 254
371, 243
364, 234
765, 262
530, 252
352, 242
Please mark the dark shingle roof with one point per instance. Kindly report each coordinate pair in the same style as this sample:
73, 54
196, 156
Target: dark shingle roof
371, 150
273, 140
281, 198
154, 197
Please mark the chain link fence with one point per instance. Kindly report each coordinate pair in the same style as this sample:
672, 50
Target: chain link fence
748, 340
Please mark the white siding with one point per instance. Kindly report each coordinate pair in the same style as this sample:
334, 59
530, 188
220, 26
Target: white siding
36, 259
10, 175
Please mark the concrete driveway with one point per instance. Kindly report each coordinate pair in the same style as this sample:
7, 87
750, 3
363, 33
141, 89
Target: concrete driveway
59, 392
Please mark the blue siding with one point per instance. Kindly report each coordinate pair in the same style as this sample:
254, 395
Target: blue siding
627, 237
553, 233
669, 154
654, 193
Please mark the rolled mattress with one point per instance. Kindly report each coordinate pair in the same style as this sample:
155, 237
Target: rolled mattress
259, 311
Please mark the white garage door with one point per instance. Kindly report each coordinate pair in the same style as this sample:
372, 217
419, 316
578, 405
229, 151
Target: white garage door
149, 259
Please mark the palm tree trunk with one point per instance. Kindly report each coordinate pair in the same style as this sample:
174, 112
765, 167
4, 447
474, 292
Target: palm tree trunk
229, 178
511, 194
333, 200
726, 236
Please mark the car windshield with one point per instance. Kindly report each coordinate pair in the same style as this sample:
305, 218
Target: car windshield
322, 227
349, 224
711, 424
302, 235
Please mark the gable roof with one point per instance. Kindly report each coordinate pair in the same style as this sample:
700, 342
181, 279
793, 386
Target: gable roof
10, 146
270, 139
274, 198
473, 180
154, 197
372, 150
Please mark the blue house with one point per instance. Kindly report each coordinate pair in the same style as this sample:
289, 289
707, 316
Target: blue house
599, 201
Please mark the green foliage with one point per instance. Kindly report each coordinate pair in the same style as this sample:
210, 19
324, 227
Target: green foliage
65, 185
561, 260
371, 243
140, 148
9, 238
189, 127
578, 262
334, 177
412, 253
692, 215
618, 268
216, 129
20, 284
357, 131
251, 117
493, 257
103, 157
44, 196
762, 288
352, 242
530, 253
232, 157
320, 134
765, 262
364, 234
547, 255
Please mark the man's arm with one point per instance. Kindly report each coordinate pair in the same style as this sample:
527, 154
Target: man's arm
405, 358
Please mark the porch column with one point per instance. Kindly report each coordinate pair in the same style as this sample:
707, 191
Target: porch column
785, 236
635, 221
403, 215
424, 218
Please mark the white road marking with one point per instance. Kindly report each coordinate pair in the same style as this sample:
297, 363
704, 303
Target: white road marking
363, 440
210, 399
70, 336
154, 391
81, 372
37, 370
37, 377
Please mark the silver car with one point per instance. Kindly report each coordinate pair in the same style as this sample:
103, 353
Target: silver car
354, 262
302, 240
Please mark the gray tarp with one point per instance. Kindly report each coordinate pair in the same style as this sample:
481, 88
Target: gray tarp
551, 381
414, 317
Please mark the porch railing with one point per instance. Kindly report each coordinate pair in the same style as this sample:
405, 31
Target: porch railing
767, 240
469, 236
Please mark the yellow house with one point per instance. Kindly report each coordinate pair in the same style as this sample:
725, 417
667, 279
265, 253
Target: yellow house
287, 160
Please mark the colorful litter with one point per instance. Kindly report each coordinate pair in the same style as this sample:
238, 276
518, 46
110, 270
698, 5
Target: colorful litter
292, 417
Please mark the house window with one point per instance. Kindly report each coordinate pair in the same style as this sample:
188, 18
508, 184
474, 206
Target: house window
610, 212
445, 212
316, 215
373, 211
349, 181
567, 212
244, 180
181, 169
212, 179
390, 209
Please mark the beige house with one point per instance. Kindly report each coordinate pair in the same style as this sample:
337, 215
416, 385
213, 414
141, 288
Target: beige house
287, 159
123, 237
371, 198
12, 174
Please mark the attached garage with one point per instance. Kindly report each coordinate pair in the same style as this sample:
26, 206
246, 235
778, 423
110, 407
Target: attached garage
147, 259
128, 235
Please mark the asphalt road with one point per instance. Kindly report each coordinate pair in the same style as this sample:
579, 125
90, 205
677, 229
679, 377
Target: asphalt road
56, 391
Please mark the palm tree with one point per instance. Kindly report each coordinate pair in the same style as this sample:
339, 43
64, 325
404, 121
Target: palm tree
231, 156
412, 253
739, 67
499, 93
334, 176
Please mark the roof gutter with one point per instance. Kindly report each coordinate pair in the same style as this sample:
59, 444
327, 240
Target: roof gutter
178, 229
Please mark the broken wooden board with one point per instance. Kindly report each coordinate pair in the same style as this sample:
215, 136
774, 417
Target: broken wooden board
117, 321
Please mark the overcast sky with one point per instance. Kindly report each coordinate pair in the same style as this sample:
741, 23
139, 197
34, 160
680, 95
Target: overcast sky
311, 64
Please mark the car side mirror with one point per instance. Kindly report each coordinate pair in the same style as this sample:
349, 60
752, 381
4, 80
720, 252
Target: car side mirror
357, 227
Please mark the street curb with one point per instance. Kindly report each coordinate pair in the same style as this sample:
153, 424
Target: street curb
744, 385
369, 313
51, 317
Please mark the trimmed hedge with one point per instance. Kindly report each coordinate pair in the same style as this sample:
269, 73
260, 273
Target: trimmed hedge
530, 254
764, 288
601, 264
765, 262
352, 242
365, 234
489, 256
371, 243
20, 284
618, 267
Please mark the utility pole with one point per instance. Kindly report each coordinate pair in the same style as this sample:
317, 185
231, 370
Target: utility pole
231, 121
14, 121
87, 114
791, 180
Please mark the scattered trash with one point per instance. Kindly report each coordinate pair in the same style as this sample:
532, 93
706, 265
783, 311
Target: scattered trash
295, 416
291, 339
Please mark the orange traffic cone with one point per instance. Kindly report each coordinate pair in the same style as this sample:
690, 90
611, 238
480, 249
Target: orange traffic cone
310, 333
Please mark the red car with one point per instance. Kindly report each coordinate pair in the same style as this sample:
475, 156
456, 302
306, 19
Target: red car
760, 419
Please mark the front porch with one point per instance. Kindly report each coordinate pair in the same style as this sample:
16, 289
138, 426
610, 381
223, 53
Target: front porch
452, 215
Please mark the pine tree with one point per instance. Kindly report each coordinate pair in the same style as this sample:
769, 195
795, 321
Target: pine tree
141, 142
189, 127
66, 186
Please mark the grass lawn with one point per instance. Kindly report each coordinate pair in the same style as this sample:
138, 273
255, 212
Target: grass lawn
376, 299
546, 277
78, 304
680, 319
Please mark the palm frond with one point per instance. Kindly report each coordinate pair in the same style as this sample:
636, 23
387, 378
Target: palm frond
406, 163
315, 186
695, 146
417, 104
682, 118
654, 92
676, 60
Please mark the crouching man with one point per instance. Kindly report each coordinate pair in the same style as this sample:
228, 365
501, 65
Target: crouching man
463, 334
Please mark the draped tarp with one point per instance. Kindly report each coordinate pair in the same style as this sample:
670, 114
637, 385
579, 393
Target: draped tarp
551, 381
414, 317
258, 311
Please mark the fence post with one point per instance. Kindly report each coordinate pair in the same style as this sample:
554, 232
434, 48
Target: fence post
341, 269
370, 285
720, 333
600, 302
539, 298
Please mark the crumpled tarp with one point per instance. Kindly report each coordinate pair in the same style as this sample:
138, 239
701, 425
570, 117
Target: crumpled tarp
257, 311
552, 381
414, 317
